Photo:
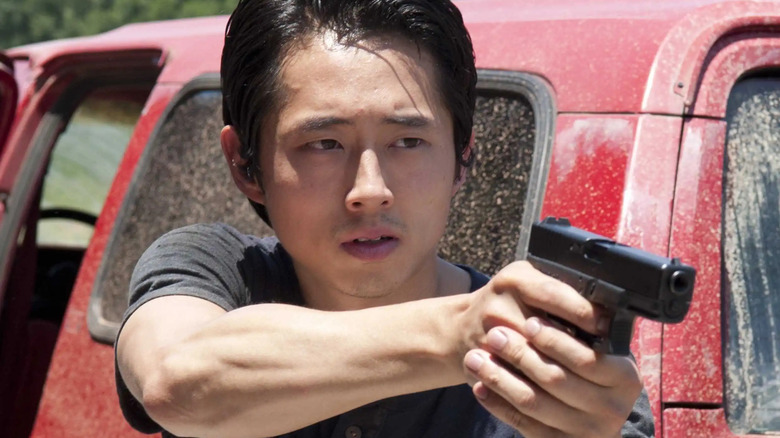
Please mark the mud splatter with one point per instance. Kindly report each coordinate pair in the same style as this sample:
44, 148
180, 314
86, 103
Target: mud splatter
751, 257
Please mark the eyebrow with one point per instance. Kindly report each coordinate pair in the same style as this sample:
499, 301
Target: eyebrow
320, 123
410, 121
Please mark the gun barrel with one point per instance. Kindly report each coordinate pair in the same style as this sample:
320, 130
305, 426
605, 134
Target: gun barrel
656, 287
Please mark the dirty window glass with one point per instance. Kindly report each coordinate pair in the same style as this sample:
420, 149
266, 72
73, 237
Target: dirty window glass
751, 257
486, 216
82, 167
182, 179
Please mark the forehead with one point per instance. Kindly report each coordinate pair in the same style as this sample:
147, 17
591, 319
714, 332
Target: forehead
320, 72
328, 47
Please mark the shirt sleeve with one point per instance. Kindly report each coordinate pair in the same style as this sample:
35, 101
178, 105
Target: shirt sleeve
640, 422
201, 261
198, 260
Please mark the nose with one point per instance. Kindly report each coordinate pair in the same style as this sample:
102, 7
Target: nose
369, 191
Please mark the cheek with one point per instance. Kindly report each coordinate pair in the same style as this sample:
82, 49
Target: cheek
429, 177
427, 194
283, 173
292, 194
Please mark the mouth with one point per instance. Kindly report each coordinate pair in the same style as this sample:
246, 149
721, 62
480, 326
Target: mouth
371, 248
375, 240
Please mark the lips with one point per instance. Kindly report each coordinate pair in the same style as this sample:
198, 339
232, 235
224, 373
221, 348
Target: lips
366, 240
370, 245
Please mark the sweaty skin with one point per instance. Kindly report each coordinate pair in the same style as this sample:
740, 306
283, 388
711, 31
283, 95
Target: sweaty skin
357, 172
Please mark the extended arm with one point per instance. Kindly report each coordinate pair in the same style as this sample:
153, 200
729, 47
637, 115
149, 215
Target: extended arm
268, 369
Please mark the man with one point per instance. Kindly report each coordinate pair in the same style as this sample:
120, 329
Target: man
348, 125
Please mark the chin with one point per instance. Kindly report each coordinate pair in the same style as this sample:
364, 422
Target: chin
370, 287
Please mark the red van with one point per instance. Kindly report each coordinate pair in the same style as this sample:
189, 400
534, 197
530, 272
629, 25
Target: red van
656, 123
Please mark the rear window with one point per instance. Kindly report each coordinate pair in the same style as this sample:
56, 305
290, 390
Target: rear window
751, 257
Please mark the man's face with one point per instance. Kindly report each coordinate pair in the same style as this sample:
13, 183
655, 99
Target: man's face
358, 170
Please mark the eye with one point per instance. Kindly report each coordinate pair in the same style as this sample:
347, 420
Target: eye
324, 145
408, 142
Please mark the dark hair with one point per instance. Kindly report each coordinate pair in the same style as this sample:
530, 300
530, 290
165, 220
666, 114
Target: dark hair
260, 34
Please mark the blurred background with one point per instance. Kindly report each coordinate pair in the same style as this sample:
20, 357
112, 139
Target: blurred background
28, 21
88, 152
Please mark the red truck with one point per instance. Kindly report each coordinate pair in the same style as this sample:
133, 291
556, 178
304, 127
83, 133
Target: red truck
655, 123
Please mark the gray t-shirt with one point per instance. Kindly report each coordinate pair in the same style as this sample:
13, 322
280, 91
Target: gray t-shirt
217, 263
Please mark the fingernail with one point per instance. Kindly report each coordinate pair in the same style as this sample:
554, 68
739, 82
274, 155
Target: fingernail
497, 339
474, 361
532, 326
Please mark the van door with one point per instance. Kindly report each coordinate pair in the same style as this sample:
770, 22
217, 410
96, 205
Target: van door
69, 137
721, 365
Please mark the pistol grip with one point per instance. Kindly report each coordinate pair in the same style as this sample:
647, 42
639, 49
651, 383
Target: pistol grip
621, 330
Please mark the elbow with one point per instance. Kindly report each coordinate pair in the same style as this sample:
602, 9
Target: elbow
162, 408
173, 396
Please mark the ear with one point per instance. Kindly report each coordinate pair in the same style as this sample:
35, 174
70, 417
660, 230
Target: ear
241, 169
461, 178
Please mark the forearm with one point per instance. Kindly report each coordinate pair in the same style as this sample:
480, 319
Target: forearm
269, 369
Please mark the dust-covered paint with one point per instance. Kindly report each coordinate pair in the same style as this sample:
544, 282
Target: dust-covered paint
692, 349
588, 170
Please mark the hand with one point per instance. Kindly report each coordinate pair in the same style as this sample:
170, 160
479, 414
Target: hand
538, 378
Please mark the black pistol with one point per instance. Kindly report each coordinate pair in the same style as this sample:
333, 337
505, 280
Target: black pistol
627, 281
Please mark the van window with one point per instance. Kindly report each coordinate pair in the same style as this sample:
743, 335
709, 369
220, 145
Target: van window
486, 217
751, 257
82, 167
182, 178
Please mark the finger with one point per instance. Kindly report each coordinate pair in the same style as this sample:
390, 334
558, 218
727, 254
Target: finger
552, 377
543, 292
507, 413
524, 397
560, 347
471, 379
